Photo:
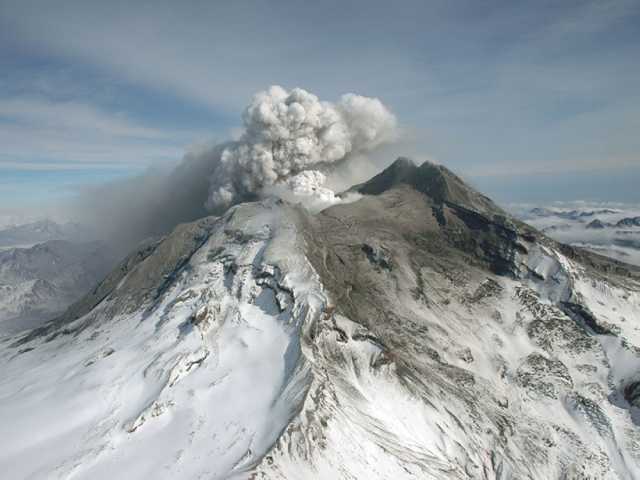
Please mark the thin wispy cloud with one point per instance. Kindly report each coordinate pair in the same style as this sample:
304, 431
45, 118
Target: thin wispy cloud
71, 134
73, 115
57, 166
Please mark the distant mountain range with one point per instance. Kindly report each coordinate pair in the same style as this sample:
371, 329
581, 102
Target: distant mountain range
570, 214
40, 231
614, 232
53, 269
624, 223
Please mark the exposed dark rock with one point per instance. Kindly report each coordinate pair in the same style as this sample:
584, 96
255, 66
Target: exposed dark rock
584, 316
628, 222
632, 394
435, 181
543, 376
597, 225
592, 412
465, 355
377, 256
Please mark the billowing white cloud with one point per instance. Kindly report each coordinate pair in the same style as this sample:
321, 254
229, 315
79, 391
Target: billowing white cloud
290, 137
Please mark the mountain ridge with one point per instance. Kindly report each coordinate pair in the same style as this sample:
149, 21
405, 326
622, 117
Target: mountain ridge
431, 180
435, 181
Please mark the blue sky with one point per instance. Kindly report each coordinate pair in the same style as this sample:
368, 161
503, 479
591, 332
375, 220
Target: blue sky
532, 101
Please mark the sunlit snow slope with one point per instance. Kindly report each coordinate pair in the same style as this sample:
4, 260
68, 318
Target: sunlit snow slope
199, 379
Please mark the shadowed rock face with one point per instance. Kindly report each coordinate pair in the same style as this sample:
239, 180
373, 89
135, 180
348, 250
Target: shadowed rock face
632, 394
419, 332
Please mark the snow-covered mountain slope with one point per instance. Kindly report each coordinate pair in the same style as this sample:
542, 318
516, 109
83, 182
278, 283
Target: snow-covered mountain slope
181, 374
419, 332
40, 282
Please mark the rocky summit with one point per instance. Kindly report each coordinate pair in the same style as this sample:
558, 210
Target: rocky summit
417, 332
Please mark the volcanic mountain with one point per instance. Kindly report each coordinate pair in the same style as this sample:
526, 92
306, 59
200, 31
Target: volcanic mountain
418, 332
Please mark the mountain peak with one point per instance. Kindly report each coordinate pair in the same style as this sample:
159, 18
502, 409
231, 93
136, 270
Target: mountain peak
436, 181
403, 163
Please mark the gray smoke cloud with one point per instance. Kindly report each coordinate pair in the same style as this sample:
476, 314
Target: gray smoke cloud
290, 143
124, 212
290, 138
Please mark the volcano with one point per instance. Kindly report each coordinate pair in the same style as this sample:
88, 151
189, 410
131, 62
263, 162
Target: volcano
418, 332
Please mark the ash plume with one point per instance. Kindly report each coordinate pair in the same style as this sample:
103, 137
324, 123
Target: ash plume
291, 142
290, 138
